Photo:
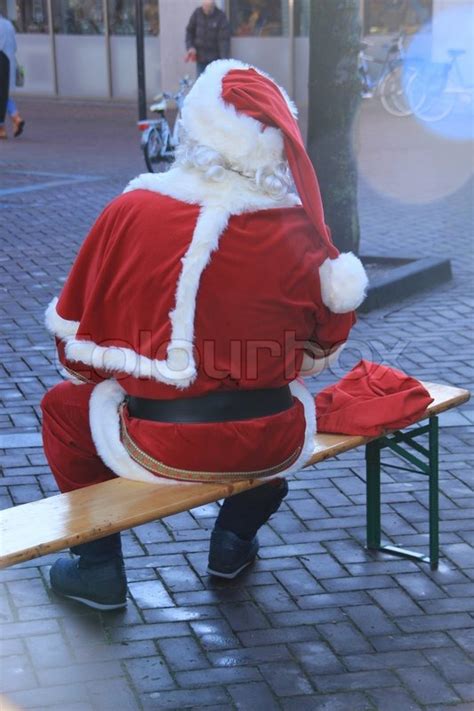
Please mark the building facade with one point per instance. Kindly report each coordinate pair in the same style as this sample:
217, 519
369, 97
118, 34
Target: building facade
86, 48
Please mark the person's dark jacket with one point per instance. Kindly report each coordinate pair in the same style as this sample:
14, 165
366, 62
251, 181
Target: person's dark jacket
209, 35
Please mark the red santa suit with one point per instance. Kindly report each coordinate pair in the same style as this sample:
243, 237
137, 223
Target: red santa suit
206, 278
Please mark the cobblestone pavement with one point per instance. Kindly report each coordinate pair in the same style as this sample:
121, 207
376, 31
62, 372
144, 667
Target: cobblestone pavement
318, 622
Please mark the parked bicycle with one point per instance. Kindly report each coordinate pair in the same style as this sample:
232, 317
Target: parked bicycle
437, 87
391, 80
159, 140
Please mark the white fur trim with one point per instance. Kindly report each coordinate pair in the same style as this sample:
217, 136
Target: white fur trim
312, 365
179, 368
343, 283
210, 121
300, 391
56, 324
105, 428
234, 194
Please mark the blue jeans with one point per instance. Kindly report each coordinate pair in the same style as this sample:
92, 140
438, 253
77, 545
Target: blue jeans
11, 107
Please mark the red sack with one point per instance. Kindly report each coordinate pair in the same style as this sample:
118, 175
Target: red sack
370, 400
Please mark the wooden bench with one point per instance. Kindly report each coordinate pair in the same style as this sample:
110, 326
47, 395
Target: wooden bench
49, 525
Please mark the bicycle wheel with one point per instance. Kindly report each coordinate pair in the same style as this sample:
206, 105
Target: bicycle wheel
392, 93
152, 151
430, 100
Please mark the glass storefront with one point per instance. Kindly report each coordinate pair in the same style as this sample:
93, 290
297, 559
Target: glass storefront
28, 16
78, 17
259, 18
391, 16
100, 35
122, 17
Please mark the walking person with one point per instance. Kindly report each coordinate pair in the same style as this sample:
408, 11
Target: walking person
8, 78
207, 36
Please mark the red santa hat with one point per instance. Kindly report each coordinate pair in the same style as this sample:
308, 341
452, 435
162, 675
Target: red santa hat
247, 118
371, 399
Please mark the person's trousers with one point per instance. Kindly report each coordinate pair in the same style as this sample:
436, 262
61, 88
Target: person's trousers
11, 107
4, 85
75, 464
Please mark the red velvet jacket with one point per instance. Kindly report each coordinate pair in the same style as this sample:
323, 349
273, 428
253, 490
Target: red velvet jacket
170, 299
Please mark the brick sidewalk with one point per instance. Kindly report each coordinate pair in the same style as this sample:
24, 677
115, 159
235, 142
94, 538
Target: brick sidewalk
318, 622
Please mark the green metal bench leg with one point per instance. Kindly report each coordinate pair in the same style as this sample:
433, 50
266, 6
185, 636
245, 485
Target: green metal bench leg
429, 468
434, 492
372, 458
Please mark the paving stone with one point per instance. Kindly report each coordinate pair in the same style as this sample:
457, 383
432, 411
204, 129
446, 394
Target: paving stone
286, 679
453, 664
216, 677
49, 651
435, 622
427, 686
344, 638
356, 681
112, 693
183, 653
371, 620
43, 698
183, 699
253, 695
393, 699
252, 655
316, 658
149, 674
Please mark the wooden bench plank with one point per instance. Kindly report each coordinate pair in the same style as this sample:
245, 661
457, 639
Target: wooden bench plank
49, 525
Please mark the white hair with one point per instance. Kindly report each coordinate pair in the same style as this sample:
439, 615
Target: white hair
273, 179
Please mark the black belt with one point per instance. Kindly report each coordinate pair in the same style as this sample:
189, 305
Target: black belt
222, 406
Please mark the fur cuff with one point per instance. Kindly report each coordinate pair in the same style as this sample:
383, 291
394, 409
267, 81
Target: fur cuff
343, 283
56, 324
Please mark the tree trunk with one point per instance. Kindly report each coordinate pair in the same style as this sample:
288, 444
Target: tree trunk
334, 92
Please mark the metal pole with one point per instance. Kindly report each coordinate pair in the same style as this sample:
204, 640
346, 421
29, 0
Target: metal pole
140, 60
108, 53
291, 33
52, 41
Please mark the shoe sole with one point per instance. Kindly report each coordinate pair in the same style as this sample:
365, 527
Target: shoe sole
229, 576
92, 603
19, 129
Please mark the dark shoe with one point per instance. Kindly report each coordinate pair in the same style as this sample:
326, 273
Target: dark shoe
102, 586
229, 554
18, 125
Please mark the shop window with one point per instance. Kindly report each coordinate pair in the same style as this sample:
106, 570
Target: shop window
302, 11
122, 17
78, 17
26, 15
259, 18
390, 16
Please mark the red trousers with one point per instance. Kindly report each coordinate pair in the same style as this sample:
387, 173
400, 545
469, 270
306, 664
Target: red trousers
67, 438
73, 459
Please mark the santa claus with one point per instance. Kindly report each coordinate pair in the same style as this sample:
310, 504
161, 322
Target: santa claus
198, 298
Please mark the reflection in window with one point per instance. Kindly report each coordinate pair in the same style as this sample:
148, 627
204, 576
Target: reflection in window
78, 17
301, 17
26, 15
261, 18
388, 16
122, 17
